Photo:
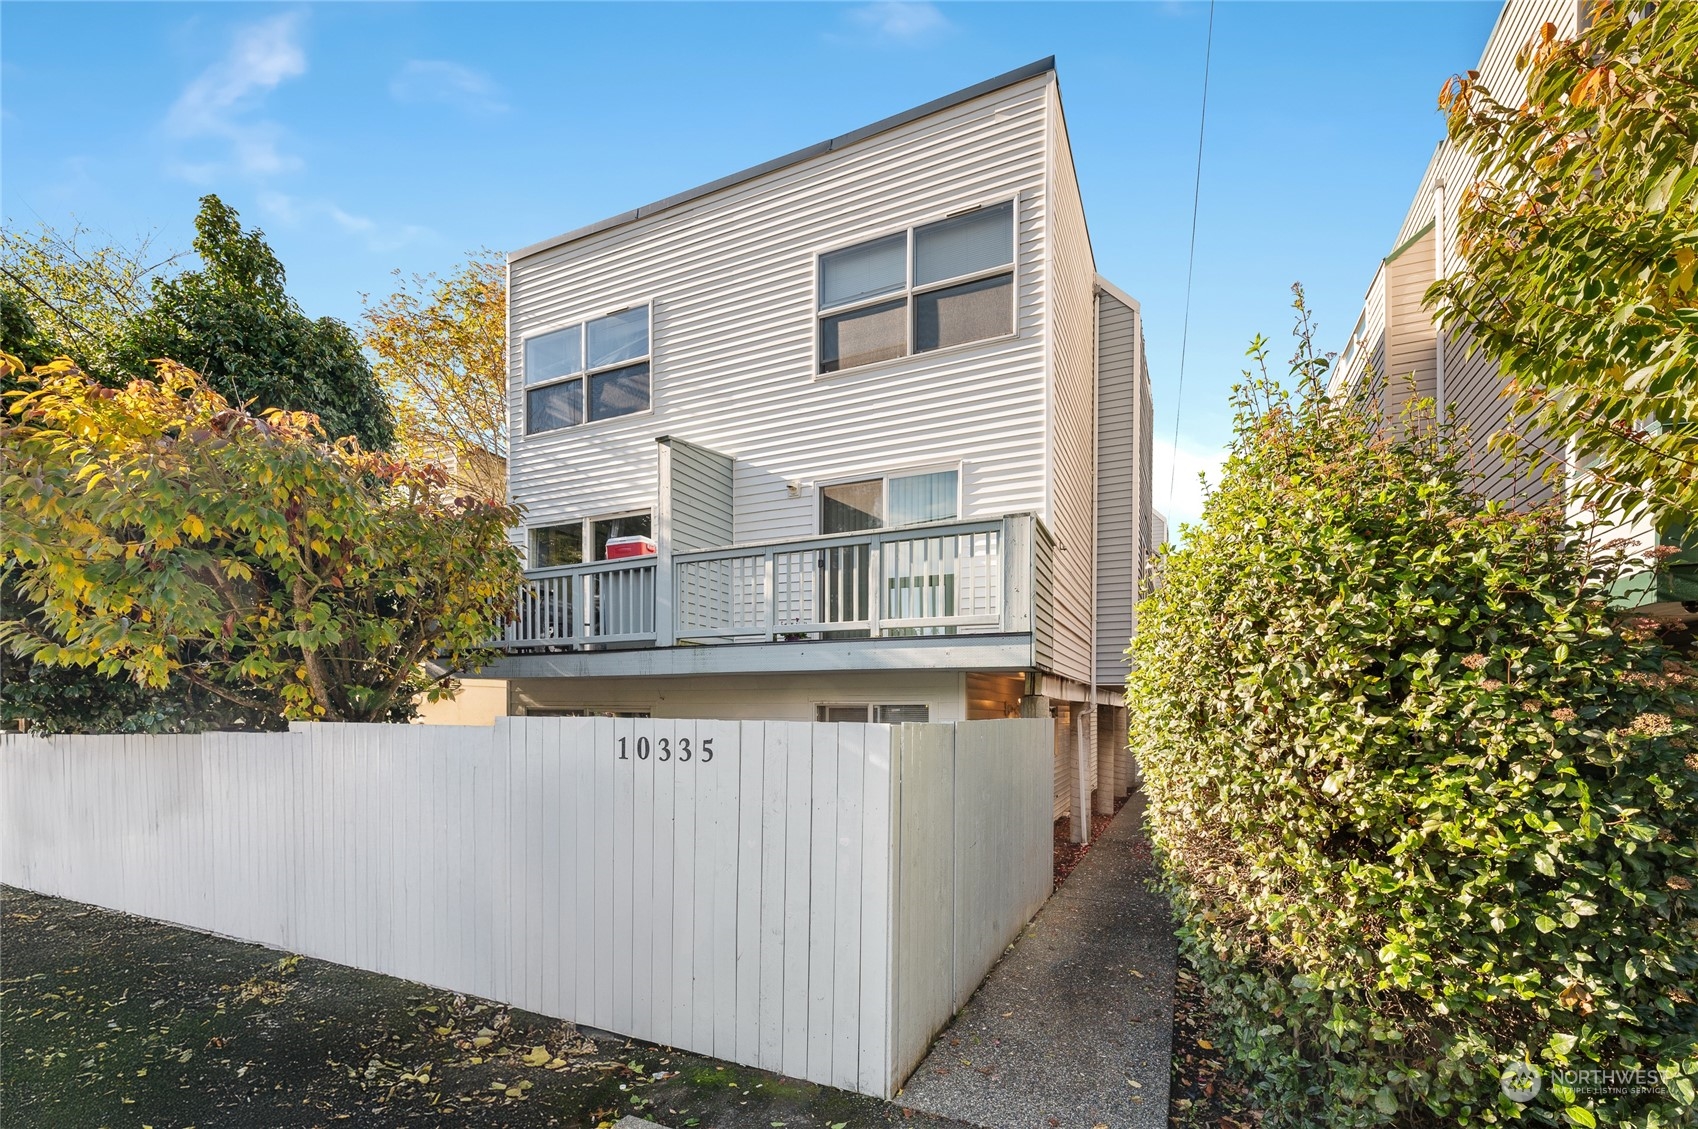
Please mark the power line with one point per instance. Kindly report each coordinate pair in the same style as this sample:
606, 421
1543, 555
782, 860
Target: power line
1190, 262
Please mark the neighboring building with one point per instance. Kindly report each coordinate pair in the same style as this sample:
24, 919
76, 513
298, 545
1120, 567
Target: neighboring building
1398, 340
886, 429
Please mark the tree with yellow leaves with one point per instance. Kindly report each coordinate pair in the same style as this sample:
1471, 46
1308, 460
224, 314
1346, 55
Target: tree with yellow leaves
440, 349
167, 533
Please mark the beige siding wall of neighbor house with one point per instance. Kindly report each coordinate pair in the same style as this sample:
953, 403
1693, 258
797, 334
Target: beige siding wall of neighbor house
1149, 537
731, 277
1122, 445
1073, 411
1361, 365
1390, 334
1411, 336
1474, 386
479, 702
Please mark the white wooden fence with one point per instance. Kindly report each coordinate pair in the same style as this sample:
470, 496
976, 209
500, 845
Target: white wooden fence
810, 899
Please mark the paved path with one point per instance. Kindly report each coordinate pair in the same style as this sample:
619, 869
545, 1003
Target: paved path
1073, 1029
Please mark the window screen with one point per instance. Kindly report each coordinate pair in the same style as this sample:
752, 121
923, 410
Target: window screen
895, 715
558, 405
866, 335
955, 315
619, 392
843, 713
864, 271
977, 241
553, 355
849, 507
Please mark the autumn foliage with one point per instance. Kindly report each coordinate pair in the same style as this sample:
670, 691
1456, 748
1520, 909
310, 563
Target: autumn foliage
1579, 247
166, 531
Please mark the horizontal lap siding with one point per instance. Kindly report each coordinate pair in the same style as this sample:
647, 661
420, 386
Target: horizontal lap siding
1073, 438
1411, 336
1121, 528
731, 279
702, 512
1475, 387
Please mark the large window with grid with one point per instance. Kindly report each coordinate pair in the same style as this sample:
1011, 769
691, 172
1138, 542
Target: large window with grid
929, 287
593, 370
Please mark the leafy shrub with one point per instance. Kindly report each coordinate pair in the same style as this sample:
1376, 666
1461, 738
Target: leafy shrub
1423, 805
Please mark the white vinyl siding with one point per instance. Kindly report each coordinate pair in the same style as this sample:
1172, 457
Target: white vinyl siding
1123, 481
733, 328
700, 509
1073, 424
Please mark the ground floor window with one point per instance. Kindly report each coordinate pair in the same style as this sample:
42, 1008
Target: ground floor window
869, 711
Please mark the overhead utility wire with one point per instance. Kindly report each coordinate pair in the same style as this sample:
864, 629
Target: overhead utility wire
1190, 264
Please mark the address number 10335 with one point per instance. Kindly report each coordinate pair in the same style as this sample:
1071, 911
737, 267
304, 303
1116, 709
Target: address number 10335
665, 749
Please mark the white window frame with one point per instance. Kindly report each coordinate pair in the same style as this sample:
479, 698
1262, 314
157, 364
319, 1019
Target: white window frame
909, 290
586, 526
884, 487
584, 372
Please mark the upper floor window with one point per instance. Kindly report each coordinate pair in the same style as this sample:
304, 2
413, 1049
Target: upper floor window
940, 284
597, 369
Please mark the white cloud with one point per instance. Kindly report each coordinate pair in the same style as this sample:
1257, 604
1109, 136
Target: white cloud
1183, 500
219, 105
899, 21
292, 211
436, 80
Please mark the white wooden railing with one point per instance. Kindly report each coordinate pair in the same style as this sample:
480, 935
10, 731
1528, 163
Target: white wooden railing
930, 580
945, 578
576, 605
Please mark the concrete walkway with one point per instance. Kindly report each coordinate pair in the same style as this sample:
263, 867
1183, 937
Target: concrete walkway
1073, 1029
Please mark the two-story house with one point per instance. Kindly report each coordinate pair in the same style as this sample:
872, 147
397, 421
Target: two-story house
857, 434
1399, 341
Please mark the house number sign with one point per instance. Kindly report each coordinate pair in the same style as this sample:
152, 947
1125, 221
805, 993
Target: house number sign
662, 749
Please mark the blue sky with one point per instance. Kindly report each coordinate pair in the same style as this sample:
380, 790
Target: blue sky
369, 137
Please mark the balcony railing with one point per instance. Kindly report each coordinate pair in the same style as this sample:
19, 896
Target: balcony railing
581, 605
946, 578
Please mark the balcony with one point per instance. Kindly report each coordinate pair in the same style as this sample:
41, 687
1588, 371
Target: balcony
946, 579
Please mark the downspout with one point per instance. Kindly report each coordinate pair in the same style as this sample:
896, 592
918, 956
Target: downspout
1440, 269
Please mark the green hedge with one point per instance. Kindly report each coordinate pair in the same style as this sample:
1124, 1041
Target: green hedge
1423, 806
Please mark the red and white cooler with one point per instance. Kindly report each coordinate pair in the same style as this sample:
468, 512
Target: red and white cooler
621, 548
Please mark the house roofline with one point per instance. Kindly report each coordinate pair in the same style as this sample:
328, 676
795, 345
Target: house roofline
1397, 252
948, 101
1119, 295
